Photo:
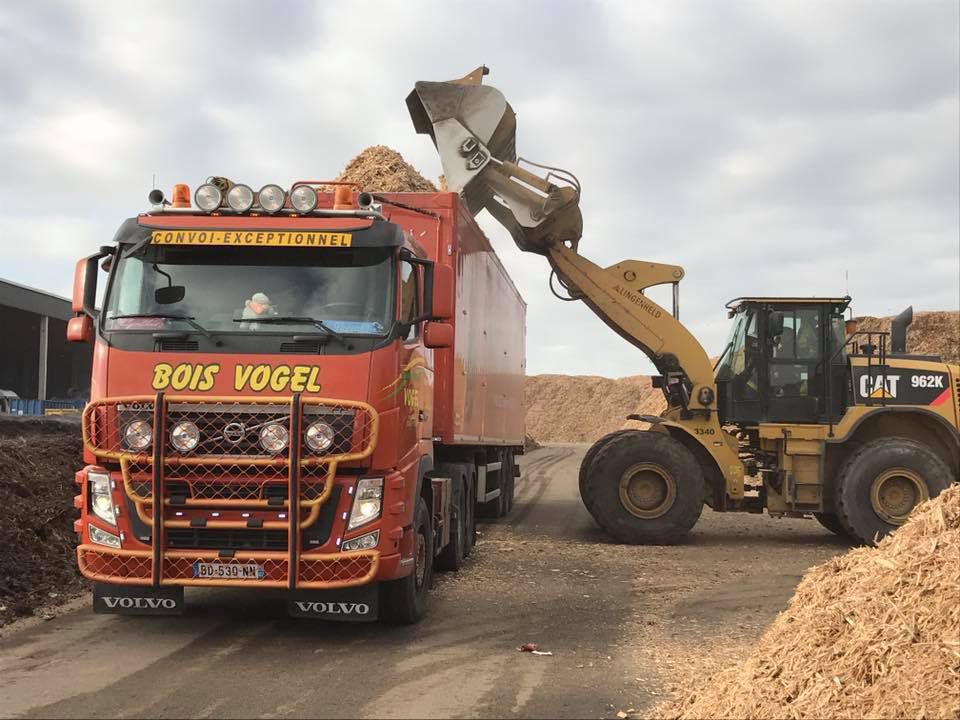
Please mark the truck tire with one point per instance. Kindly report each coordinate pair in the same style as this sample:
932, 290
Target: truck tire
404, 601
471, 490
880, 484
647, 488
831, 523
452, 556
588, 459
509, 482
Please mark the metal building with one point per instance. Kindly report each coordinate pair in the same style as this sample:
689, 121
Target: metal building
36, 361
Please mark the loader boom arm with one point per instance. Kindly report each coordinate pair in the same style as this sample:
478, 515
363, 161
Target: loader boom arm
474, 130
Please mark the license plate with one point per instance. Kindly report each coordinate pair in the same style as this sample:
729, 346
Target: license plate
228, 571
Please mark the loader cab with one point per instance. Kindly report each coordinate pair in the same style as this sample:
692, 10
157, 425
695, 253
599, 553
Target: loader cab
784, 361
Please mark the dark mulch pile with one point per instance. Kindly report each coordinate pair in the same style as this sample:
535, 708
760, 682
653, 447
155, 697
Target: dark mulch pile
38, 567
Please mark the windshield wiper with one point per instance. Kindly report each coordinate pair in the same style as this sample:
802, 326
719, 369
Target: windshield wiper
170, 316
298, 320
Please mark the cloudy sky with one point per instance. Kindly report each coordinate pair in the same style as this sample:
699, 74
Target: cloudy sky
768, 147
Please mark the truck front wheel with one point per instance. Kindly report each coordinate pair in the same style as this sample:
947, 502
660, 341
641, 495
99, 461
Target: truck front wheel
645, 488
404, 601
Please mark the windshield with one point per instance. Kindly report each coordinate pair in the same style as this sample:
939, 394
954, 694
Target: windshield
733, 360
241, 289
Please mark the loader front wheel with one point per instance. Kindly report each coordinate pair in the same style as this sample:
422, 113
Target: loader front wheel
588, 459
645, 488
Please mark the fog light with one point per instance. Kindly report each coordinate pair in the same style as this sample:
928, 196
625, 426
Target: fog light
208, 197
303, 198
240, 198
138, 435
185, 436
102, 537
274, 438
271, 198
364, 542
319, 436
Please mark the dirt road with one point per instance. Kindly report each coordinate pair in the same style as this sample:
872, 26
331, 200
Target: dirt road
624, 624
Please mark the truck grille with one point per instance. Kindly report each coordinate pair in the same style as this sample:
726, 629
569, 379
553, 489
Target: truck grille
204, 539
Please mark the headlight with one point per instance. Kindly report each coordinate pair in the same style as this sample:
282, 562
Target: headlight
367, 503
138, 435
240, 198
364, 542
185, 436
319, 437
102, 537
101, 497
303, 198
274, 438
208, 197
271, 198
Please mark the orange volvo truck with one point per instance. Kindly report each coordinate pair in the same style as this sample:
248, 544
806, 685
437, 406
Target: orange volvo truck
308, 391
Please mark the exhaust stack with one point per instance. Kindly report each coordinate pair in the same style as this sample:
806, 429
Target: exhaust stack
898, 331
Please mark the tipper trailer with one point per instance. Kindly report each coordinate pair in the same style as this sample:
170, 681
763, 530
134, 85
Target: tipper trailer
315, 392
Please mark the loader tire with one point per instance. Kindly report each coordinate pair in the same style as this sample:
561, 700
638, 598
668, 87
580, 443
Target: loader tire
646, 489
880, 484
588, 458
404, 601
831, 523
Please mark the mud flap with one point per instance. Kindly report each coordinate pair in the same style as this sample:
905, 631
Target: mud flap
355, 604
137, 600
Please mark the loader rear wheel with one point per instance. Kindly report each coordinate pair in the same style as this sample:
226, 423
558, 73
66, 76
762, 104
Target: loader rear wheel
589, 457
881, 483
832, 523
646, 488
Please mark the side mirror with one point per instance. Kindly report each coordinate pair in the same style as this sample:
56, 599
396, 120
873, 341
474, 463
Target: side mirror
169, 295
438, 335
80, 329
443, 302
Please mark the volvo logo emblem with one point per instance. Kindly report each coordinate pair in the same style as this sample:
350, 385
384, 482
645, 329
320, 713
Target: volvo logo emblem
234, 433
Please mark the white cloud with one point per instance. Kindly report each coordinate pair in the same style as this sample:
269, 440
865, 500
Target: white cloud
767, 148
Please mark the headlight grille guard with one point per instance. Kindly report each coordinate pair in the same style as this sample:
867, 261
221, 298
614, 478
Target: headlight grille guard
228, 470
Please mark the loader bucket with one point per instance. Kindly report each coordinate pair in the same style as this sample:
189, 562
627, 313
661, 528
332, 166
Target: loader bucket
457, 113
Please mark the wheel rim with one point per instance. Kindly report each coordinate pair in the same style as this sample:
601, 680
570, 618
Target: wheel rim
647, 490
895, 493
420, 565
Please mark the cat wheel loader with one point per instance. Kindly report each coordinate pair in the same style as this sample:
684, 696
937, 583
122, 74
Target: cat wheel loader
802, 415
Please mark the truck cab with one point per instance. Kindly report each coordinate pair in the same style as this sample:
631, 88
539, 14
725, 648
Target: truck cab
262, 405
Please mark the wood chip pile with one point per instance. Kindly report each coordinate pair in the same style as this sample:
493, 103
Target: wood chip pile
381, 169
872, 633
582, 408
931, 333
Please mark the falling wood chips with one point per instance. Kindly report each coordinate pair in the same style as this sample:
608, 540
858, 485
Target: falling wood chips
380, 169
872, 633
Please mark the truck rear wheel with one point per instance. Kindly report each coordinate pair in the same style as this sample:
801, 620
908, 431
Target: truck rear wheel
646, 488
452, 556
471, 491
881, 483
404, 601
588, 458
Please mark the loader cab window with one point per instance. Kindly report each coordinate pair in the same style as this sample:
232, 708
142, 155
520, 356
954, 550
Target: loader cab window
738, 370
795, 376
409, 299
